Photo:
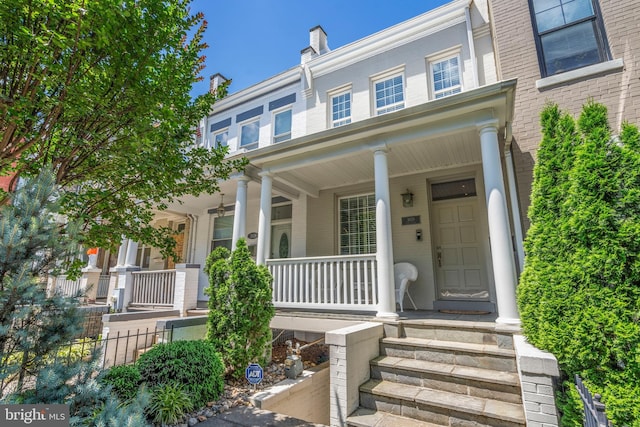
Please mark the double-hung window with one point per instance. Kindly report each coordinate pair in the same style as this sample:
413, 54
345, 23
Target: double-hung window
282, 125
222, 232
249, 134
445, 77
341, 109
569, 34
220, 138
357, 221
389, 94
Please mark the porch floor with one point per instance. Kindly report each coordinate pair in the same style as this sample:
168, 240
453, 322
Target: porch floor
407, 315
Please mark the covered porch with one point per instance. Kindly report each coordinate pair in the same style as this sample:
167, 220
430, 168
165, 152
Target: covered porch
310, 250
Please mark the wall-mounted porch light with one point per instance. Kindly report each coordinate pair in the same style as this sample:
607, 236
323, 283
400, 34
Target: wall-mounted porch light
220, 210
407, 199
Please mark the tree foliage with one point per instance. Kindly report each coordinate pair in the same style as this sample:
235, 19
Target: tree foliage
240, 307
100, 90
34, 325
579, 295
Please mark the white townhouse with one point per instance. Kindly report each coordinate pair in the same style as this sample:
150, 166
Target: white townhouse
394, 148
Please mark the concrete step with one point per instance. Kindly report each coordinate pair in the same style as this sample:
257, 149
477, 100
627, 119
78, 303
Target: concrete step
455, 330
484, 356
438, 406
364, 417
465, 380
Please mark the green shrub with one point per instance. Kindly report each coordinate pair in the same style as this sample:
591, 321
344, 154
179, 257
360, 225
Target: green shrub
240, 308
578, 295
194, 365
125, 381
169, 402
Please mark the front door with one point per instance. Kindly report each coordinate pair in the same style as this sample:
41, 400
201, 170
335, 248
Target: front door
281, 241
460, 266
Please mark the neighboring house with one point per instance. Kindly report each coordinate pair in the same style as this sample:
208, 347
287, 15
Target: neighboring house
565, 52
388, 149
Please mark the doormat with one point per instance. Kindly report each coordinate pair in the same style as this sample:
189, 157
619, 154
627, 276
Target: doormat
464, 311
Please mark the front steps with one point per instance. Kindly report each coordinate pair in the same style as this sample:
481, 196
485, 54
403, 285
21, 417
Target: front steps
442, 373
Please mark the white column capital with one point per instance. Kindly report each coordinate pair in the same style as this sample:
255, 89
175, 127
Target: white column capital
487, 126
380, 148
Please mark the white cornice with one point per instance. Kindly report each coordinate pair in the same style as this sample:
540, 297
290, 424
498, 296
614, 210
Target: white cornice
423, 25
286, 78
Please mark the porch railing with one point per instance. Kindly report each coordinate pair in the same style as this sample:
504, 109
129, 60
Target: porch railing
334, 282
103, 286
67, 287
153, 287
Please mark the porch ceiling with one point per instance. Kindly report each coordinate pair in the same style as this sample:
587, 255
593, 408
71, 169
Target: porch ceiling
437, 135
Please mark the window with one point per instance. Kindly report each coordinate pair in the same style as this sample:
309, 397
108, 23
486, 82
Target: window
569, 34
143, 256
357, 225
282, 126
341, 109
445, 76
220, 138
249, 133
222, 232
389, 94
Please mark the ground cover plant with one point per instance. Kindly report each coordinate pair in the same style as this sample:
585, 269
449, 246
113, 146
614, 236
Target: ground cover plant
579, 294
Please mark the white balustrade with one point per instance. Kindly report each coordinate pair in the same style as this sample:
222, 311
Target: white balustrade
335, 282
103, 286
153, 287
66, 287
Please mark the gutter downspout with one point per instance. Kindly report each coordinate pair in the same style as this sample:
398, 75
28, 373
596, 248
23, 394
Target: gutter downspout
513, 196
472, 49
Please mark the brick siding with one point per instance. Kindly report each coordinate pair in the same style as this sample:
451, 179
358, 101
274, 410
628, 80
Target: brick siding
517, 58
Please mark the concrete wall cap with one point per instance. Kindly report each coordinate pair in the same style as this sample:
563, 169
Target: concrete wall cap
533, 360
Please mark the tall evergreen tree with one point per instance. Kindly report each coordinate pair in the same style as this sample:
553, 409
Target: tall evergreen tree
34, 324
579, 295
240, 306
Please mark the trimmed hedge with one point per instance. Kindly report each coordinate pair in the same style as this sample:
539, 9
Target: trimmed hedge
125, 381
194, 365
579, 294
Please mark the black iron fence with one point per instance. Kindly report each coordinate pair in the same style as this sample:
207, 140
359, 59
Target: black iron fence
594, 410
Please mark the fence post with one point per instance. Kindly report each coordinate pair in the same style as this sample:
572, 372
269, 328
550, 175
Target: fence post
185, 295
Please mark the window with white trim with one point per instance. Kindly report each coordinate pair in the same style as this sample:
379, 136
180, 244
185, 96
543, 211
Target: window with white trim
445, 77
249, 134
569, 34
282, 125
389, 94
222, 232
341, 109
220, 138
357, 222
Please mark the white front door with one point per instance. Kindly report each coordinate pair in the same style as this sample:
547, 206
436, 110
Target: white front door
460, 266
281, 241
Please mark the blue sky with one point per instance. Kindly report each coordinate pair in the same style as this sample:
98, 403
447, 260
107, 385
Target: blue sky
251, 40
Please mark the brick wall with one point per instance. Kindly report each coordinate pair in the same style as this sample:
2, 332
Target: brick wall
517, 58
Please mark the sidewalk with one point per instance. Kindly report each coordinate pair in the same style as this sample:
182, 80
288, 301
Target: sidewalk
245, 416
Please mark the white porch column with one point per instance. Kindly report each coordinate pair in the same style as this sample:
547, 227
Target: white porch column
122, 252
132, 252
384, 244
264, 222
504, 267
240, 213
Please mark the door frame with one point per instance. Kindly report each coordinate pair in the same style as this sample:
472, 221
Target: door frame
483, 232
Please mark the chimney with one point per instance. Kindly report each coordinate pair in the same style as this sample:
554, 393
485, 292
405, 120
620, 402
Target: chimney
216, 80
318, 40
